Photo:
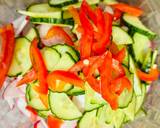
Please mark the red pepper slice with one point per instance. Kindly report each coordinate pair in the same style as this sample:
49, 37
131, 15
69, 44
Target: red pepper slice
58, 31
119, 84
128, 9
65, 76
29, 77
88, 10
39, 67
87, 37
120, 55
36, 124
151, 76
54, 122
32, 110
8, 43
100, 46
44, 99
117, 14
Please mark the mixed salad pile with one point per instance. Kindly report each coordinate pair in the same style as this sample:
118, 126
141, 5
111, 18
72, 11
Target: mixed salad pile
74, 63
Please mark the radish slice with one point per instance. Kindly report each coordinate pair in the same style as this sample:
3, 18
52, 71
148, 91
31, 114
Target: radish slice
69, 124
43, 29
53, 41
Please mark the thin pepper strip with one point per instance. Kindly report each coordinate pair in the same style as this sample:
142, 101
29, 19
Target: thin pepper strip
120, 55
151, 76
117, 14
29, 77
65, 76
39, 67
54, 122
8, 44
128, 9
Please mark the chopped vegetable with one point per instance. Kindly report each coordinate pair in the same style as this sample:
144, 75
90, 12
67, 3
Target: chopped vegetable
54, 122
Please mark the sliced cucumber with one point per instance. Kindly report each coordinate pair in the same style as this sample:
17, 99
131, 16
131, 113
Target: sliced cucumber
136, 25
141, 46
21, 62
140, 99
154, 56
32, 33
130, 110
63, 107
92, 99
33, 99
110, 2
136, 80
44, 114
120, 36
141, 113
42, 11
79, 101
63, 48
88, 120
65, 62
75, 91
61, 3
51, 57
125, 98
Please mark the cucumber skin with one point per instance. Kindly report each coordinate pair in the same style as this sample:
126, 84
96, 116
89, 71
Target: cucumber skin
62, 4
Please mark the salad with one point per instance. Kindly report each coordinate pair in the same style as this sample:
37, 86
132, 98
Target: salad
78, 63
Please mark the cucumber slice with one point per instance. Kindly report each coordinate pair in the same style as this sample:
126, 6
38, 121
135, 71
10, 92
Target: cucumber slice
32, 33
15, 68
75, 91
33, 99
130, 110
79, 101
88, 120
63, 48
110, 2
21, 57
141, 46
54, 21
42, 11
44, 114
63, 107
154, 56
140, 99
141, 113
61, 3
65, 63
92, 99
125, 98
118, 118
136, 80
120, 36
136, 25
51, 57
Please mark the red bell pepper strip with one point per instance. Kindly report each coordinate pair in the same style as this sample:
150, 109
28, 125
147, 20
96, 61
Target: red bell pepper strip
120, 55
119, 84
65, 76
74, 12
58, 31
8, 43
88, 10
32, 110
151, 76
100, 20
39, 67
113, 48
100, 46
128, 9
29, 77
44, 99
36, 124
54, 122
117, 14
87, 37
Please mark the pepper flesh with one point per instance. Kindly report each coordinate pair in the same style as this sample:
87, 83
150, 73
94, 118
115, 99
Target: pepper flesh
54, 122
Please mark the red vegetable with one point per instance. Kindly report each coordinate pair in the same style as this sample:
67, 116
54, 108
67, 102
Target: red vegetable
128, 9
87, 37
39, 67
7, 50
54, 122
151, 76
120, 55
32, 110
65, 76
117, 14
36, 124
29, 77
58, 31
100, 46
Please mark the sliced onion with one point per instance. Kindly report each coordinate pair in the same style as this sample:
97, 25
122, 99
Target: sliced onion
53, 41
109, 10
69, 124
43, 29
